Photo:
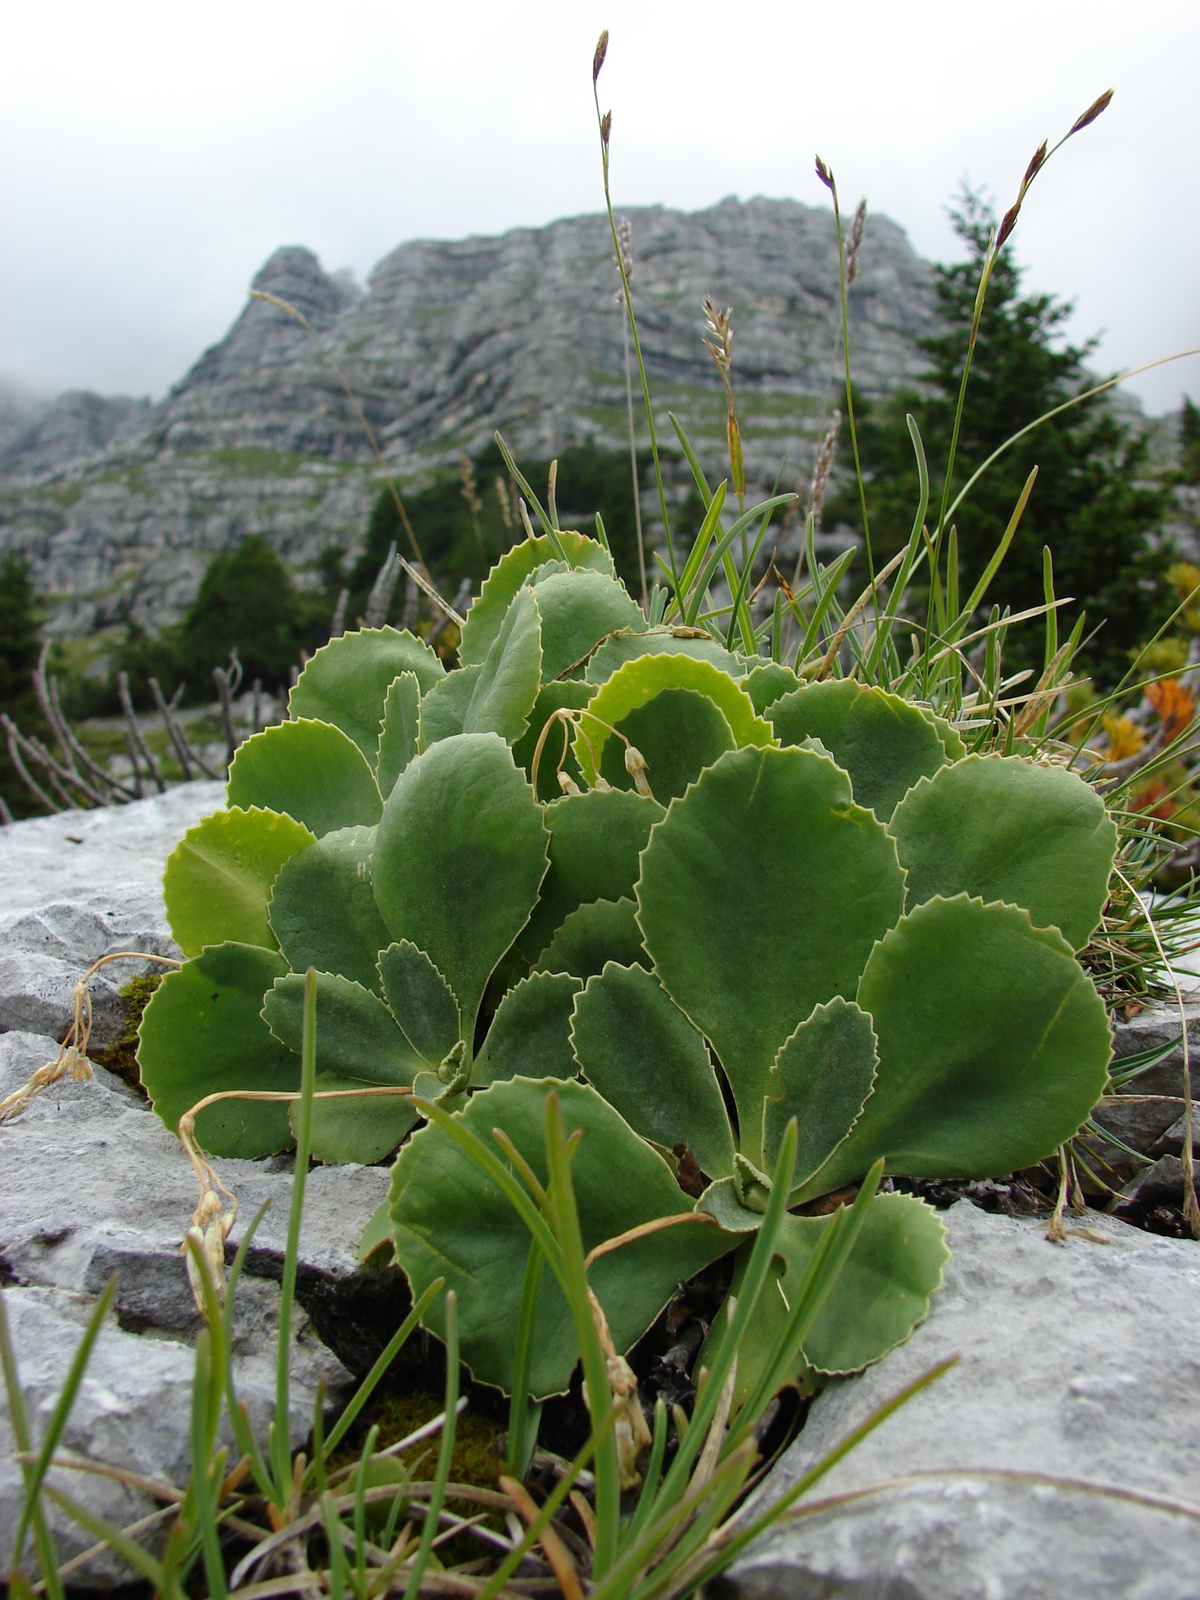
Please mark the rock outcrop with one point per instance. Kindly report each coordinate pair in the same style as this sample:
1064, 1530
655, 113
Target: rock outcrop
450, 341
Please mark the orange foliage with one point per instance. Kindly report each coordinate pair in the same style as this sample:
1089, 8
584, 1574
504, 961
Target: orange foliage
1174, 705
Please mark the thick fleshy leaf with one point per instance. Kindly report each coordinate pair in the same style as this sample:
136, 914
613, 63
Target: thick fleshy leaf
400, 735
202, 1034
883, 742
460, 854
452, 1221
952, 740
881, 1294
218, 878
567, 692
643, 1055
823, 1075
578, 610
346, 681
363, 1130
993, 1046
679, 736
506, 577
530, 1035
357, 1036
1004, 829
765, 683
601, 931
504, 692
310, 770
614, 653
323, 909
421, 1001
445, 706
761, 895
596, 840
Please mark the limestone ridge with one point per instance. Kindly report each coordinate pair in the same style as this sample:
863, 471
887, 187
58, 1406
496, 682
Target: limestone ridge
450, 341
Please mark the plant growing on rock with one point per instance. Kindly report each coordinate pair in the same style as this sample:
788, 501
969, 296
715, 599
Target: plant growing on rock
761, 896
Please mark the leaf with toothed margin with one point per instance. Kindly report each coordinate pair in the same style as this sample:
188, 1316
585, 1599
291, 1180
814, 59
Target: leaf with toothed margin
202, 1034
639, 1050
445, 706
357, 1035
507, 576
885, 743
400, 734
345, 681
823, 1074
679, 712
596, 840
613, 653
459, 857
881, 1294
359, 1130
218, 879
578, 610
993, 1046
421, 1001
450, 1220
761, 895
323, 909
530, 1034
1005, 829
766, 682
602, 930
310, 770
504, 693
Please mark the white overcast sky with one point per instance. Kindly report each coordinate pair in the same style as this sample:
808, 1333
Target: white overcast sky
152, 155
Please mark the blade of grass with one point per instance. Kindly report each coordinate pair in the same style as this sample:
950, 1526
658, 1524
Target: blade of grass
441, 1476
128, 1549
19, 1425
522, 1411
279, 1447
548, 527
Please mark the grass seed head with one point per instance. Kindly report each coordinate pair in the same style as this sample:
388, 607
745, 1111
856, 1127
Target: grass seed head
601, 52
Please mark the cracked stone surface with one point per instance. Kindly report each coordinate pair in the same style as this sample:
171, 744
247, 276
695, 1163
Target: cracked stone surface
80, 885
1078, 1361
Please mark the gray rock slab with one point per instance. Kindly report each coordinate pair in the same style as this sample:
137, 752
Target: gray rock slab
91, 1183
1078, 1361
133, 1407
80, 885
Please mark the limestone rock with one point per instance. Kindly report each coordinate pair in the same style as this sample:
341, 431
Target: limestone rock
1077, 1362
80, 885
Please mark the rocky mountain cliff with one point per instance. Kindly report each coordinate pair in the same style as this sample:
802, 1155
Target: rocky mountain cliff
120, 504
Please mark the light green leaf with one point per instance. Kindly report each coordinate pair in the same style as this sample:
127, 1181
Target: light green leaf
766, 682
596, 840
202, 1034
642, 1054
323, 908
445, 706
400, 735
578, 610
452, 1221
357, 1036
362, 1131
310, 770
884, 743
346, 681
993, 1046
881, 1294
1004, 829
721, 1201
218, 878
530, 1033
949, 735
823, 1074
676, 738
506, 577
761, 895
504, 692
377, 1235
567, 692
602, 930
421, 1001
613, 653
460, 854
